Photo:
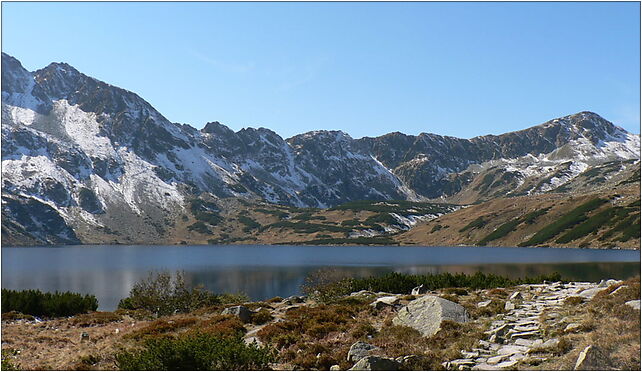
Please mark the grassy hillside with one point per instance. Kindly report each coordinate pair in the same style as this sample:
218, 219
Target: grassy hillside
596, 220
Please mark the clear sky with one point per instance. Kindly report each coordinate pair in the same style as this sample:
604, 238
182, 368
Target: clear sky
459, 69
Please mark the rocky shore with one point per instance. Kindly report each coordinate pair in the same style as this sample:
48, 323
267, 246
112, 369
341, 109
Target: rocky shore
547, 326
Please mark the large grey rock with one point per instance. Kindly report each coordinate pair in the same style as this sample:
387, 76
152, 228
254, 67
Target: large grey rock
375, 363
360, 350
426, 314
241, 311
634, 304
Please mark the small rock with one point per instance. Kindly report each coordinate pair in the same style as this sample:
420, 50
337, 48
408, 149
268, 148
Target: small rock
375, 363
551, 344
619, 289
485, 367
507, 364
459, 362
509, 306
362, 293
497, 359
516, 296
84, 337
360, 350
241, 311
607, 283
382, 302
572, 327
406, 358
523, 342
335, 368
419, 290
586, 361
589, 293
117, 331
634, 304
484, 303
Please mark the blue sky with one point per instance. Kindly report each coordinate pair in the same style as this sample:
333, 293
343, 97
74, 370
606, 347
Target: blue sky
459, 69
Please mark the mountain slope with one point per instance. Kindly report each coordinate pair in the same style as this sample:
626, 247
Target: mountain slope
113, 168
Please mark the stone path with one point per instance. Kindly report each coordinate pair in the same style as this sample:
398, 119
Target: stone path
518, 332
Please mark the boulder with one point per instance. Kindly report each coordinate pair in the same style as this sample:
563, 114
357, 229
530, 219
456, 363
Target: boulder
426, 314
634, 304
375, 363
419, 290
360, 350
241, 311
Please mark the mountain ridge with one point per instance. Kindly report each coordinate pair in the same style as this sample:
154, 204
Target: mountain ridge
90, 151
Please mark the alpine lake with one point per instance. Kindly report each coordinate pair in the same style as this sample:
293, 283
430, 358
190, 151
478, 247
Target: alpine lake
266, 271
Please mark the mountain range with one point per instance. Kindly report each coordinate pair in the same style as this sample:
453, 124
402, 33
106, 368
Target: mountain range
87, 162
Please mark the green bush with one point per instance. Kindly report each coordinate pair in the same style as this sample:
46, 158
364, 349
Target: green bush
322, 286
250, 224
163, 295
36, 303
475, 224
196, 352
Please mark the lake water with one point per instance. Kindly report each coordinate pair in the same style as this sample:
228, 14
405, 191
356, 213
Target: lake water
265, 271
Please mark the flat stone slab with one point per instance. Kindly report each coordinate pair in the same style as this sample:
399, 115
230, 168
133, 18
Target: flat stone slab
634, 304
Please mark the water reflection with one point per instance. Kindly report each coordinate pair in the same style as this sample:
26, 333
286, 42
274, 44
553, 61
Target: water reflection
109, 272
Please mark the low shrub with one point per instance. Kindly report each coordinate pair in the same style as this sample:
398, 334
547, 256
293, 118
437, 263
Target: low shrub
37, 303
222, 325
475, 224
162, 326
326, 288
261, 317
15, 315
163, 295
95, 318
196, 352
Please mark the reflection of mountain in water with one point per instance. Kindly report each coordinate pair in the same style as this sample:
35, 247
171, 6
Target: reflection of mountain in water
111, 284
262, 284
571, 271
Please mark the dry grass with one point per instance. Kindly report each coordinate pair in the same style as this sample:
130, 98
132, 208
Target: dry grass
606, 323
95, 318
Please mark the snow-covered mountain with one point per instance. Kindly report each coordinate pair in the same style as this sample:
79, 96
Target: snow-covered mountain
79, 155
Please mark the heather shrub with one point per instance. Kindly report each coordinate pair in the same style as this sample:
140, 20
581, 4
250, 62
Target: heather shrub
196, 352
